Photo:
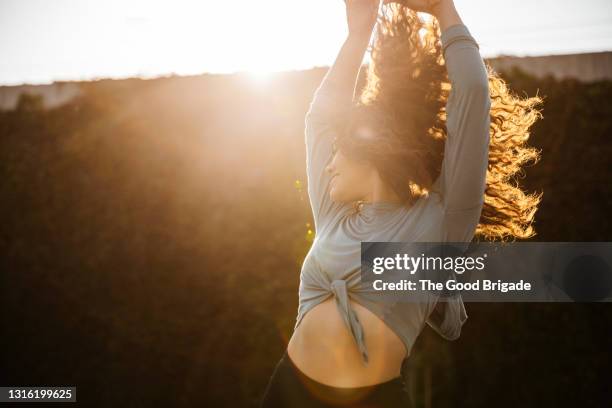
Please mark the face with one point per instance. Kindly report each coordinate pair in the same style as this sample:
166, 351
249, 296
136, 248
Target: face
351, 180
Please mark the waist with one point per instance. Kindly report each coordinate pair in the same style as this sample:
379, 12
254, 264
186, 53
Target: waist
323, 348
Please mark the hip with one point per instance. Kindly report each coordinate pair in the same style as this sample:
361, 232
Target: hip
290, 387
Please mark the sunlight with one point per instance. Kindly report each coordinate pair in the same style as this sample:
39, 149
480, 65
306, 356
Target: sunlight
262, 37
119, 38
260, 76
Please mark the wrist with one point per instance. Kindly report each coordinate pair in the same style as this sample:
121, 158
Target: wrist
441, 6
446, 14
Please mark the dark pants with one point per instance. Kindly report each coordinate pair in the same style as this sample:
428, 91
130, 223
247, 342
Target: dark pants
289, 387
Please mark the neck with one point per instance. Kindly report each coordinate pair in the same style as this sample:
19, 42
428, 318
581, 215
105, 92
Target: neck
381, 192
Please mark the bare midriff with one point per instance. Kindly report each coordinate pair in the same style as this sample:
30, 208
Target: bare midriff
323, 348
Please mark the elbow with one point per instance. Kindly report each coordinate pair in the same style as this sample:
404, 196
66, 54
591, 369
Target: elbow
314, 118
482, 91
311, 114
481, 88
476, 87
319, 113
473, 82
474, 95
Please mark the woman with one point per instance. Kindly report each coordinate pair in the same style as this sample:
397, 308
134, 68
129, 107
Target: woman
424, 156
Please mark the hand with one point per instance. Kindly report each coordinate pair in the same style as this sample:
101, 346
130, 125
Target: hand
361, 17
426, 6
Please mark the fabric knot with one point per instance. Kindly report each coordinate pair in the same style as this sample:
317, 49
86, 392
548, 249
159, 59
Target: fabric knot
340, 291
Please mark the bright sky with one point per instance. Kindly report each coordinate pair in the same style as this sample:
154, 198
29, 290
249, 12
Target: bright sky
45, 40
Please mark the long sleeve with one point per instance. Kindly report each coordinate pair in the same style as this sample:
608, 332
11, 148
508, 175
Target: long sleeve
463, 175
330, 103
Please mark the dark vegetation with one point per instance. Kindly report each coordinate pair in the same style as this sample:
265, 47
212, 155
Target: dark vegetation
153, 231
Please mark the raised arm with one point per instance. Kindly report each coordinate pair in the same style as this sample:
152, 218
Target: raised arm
462, 181
332, 99
463, 177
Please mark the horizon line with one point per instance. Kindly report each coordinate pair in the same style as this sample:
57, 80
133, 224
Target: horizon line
163, 75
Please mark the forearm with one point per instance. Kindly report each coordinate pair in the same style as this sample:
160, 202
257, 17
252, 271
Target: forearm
342, 76
447, 14
466, 152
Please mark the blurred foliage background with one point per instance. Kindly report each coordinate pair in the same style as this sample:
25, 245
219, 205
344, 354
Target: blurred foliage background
153, 233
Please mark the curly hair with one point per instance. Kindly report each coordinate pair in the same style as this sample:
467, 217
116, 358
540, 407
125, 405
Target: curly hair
404, 99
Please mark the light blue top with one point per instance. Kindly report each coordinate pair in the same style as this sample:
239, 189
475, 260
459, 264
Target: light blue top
332, 266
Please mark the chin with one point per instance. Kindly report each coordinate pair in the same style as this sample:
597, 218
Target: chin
338, 198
